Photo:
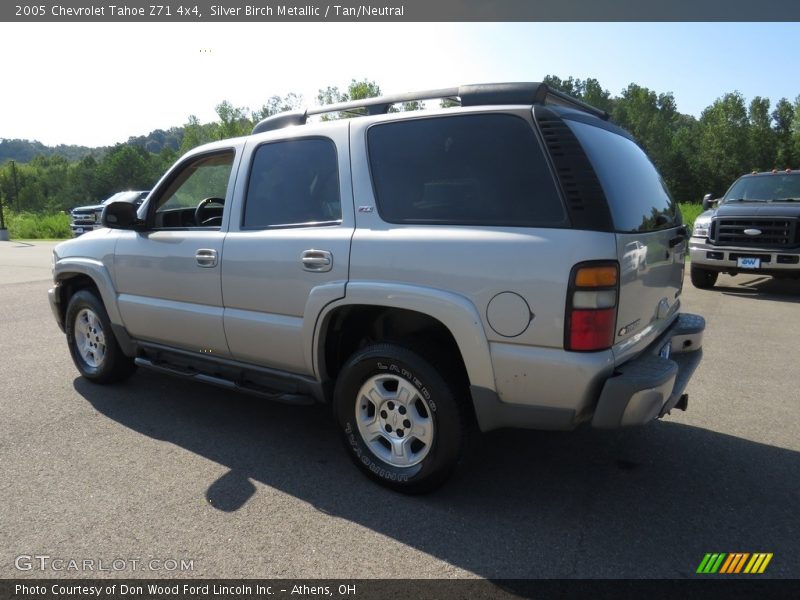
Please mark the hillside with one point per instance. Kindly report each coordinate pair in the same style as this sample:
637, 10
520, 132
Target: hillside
23, 151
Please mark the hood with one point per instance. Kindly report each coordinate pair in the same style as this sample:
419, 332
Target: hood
756, 209
88, 209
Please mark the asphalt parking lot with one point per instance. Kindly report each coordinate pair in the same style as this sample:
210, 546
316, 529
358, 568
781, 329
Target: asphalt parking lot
160, 469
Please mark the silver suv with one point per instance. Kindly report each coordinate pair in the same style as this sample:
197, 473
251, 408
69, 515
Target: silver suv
515, 261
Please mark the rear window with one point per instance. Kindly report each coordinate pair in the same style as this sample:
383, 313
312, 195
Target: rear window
463, 170
637, 196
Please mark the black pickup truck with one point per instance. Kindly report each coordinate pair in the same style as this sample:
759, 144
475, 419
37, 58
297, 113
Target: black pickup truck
753, 228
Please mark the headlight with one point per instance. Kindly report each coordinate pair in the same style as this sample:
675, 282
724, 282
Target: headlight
701, 226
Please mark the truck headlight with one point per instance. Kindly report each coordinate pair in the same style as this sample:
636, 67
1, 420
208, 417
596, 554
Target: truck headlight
701, 227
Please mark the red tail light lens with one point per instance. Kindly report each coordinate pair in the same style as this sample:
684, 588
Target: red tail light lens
592, 329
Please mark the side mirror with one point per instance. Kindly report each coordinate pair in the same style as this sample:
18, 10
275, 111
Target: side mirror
121, 215
708, 200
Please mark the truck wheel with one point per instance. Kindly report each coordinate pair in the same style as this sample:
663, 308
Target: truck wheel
703, 278
403, 424
91, 341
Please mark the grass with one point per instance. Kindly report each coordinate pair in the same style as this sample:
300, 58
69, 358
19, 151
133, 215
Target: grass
29, 226
690, 210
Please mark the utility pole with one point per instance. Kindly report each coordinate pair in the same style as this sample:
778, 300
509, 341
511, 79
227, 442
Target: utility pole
14, 176
2, 217
3, 230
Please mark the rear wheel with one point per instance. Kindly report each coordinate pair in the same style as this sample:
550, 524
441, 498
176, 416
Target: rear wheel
703, 278
91, 341
403, 423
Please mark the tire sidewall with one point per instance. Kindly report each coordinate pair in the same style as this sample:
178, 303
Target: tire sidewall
703, 278
81, 300
400, 362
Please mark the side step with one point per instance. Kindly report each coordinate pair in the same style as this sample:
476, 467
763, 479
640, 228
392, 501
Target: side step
191, 374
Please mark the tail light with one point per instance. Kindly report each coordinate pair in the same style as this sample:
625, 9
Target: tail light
592, 299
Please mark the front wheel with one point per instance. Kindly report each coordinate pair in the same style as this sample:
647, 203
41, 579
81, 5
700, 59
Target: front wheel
91, 341
403, 422
703, 278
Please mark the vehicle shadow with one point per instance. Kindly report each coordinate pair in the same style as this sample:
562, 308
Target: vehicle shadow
646, 502
761, 287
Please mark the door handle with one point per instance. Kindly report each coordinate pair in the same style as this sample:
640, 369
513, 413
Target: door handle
318, 261
683, 235
206, 257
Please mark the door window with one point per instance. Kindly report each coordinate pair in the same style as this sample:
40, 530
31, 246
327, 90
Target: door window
196, 194
293, 183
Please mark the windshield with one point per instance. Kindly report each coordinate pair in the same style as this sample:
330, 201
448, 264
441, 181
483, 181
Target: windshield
764, 188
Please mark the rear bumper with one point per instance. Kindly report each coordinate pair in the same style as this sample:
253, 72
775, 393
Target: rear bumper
649, 386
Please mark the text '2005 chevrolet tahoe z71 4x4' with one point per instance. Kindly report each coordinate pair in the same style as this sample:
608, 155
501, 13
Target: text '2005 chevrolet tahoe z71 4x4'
515, 261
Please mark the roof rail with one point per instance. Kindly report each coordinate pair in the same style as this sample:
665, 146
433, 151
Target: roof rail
465, 95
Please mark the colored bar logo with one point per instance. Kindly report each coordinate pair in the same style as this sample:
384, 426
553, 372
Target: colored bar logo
733, 563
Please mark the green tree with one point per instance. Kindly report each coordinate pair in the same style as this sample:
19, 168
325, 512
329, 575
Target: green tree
277, 104
684, 175
127, 167
594, 94
83, 183
357, 90
786, 119
233, 121
794, 159
587, 90
723, 143
196, 134
650, 118
762, 135
570, 85
330, 95
412, 106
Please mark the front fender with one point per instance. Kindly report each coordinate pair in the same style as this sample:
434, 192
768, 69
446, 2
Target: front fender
69, 267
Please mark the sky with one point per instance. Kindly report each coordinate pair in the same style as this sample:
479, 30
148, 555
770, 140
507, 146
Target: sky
97, 84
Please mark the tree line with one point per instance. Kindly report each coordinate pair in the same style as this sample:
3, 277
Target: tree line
705, 155
695, 155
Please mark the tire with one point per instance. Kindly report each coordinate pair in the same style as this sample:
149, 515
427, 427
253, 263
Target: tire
403, 424
703, 278
91, 341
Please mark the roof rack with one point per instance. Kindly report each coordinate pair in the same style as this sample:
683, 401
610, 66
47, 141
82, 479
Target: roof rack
465, 95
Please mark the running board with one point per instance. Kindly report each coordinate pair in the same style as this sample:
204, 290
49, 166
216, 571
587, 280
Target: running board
191, 374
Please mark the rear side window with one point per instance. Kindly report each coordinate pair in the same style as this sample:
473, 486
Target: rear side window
463, 170
637, 196
295, 182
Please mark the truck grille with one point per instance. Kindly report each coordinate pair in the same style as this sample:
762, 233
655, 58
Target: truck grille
84, 218
775, 233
